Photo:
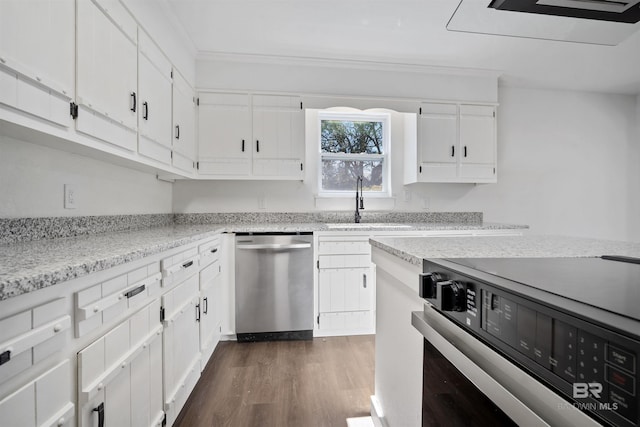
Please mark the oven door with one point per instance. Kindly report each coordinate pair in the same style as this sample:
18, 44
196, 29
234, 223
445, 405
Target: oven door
467, 383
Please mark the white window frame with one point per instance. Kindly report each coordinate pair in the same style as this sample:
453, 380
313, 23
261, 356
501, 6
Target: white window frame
385, 119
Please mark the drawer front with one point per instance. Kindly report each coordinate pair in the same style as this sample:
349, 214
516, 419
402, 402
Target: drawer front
31, 336
208, 274
344, 261
176, 268
45, 401
209, 252
106, 302
357, 246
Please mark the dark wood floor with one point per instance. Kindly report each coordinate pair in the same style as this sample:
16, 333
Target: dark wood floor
284, 383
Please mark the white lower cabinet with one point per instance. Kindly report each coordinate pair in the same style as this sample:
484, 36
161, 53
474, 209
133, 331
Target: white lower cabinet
120, 374
210, 309
181, 345
45, 401
346, 286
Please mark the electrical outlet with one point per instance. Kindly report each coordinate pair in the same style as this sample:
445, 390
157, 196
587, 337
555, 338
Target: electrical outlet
425, 203
70, 196
407, 195
261, 202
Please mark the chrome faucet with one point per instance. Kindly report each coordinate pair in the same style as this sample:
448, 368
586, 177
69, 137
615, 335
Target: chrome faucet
359, 199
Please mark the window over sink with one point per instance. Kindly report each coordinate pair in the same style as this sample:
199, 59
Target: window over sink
354, 144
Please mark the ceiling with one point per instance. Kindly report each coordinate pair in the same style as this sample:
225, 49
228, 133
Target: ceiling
403, 32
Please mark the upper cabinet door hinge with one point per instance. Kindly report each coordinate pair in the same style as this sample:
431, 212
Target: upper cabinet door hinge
73, 110
171, 73
198, 101
301, 167
494, 114
198, 165
318, 264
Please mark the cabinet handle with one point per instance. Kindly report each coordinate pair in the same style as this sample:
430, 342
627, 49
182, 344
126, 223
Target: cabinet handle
187, 264
177, 131
257, 146
197, 312
136, 291
214, 250
134, 102
420, 169
465, 151
100, 410
206, 305
5, 357
243, 145
364, 280
145, 110
453, 151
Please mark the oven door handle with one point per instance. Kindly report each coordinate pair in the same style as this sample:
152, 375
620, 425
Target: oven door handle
520, 396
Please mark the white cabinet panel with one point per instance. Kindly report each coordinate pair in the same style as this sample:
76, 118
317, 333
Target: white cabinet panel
224, 134
439, 125
107, 73
45, 401
37, 41
184, 122
345, 289
154, 116
477, 141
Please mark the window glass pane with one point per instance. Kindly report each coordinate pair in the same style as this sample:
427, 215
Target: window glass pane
340, 136
341, 175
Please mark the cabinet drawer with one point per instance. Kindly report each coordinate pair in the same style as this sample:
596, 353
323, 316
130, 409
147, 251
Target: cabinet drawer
359, 246
178, 267
179, 297
106, 302
209, 252
344, 261
29, 337
46, 401
208, 274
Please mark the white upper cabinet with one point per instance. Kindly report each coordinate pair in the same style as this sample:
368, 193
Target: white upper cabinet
224, 134
37, 57
184, 122
154, 113
478, 142
455, 143
107, 72
244, 137
278, 133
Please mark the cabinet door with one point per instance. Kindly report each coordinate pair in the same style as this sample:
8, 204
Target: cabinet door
210, 319
438, 141
345, 289
278, 136
477, 141
224, 134
154, 114
107, 72
37, 45
184, 122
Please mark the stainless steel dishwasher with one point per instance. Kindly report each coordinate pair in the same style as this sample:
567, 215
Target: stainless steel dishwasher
274, 286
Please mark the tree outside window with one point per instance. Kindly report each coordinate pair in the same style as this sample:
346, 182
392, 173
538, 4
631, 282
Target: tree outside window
351, 146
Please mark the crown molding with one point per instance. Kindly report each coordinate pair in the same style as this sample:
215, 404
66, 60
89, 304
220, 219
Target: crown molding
370, 65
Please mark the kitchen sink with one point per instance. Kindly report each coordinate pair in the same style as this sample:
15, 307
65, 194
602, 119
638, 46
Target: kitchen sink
367, 225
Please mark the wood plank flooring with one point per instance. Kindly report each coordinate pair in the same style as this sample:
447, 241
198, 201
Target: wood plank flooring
284, 383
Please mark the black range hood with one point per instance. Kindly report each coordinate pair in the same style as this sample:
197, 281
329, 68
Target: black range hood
627, 11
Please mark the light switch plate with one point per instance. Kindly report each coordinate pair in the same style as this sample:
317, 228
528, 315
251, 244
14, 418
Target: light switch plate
70, 196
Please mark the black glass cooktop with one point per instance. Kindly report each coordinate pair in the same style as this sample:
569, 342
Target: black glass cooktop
607, 284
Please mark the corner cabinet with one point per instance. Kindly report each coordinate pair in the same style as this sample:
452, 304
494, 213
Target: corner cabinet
455, 143
244, 136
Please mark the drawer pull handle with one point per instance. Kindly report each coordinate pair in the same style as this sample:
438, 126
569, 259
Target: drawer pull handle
187, 264
214, 250
136, 291
5, 357
100, 410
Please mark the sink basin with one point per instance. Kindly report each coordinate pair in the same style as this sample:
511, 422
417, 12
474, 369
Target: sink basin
366, 225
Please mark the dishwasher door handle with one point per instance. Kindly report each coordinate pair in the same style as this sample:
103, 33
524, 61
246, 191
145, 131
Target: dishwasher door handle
275, 246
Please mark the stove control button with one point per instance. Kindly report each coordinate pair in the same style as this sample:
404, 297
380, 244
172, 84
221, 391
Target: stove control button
428, 285
452, 297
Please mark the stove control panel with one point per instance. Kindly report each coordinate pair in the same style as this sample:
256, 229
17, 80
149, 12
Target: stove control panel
594, 368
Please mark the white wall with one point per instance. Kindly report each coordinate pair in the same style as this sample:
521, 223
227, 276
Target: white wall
564, 167
32, 179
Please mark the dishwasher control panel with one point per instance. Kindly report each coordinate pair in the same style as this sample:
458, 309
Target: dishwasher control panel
594, 368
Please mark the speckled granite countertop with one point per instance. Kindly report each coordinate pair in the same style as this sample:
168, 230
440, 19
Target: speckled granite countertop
29, 266
415, 249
